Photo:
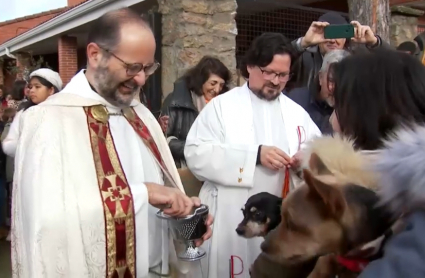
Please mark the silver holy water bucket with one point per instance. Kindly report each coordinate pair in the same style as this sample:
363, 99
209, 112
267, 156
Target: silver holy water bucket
187, 230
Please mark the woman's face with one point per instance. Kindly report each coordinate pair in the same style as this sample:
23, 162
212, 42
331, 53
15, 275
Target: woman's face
334, 123
38, 92
212, 87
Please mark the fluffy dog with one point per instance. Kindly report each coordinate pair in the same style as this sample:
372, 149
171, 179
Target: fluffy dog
335, 210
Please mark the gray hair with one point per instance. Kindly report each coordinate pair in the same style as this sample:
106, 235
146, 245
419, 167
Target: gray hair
333, 56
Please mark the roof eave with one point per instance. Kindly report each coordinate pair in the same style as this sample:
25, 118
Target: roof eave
73, 18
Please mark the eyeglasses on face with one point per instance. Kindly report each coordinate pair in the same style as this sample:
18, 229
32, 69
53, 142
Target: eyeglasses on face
270, 75
135, 68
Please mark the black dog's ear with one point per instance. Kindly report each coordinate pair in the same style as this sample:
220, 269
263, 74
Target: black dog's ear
317, 166
329, 195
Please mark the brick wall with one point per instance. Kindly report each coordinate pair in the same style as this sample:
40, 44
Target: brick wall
68, 57
12, 28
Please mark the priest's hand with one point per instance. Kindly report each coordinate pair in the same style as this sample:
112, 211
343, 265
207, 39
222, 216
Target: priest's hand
171, 200
273, 158
209, 222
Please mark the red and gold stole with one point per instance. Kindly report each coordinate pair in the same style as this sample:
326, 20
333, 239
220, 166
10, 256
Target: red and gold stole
115, 190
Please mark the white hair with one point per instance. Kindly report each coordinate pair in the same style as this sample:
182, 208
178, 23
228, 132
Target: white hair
333, 56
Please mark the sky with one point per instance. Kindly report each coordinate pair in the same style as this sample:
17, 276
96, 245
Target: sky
11, 9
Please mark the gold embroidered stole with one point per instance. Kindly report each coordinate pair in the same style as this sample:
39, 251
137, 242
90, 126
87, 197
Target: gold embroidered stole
115, 191
116, 197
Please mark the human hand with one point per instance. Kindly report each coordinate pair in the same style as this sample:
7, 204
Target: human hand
273, 158
172, 201
296, 160
363, 34
315, 34
208, 222
163, 122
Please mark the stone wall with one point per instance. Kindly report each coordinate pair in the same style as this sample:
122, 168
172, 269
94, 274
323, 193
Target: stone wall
192, 29
404, 24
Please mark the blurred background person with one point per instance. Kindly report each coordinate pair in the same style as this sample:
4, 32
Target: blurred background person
408, 47
17, 95
43, 83
317, 100
209, 78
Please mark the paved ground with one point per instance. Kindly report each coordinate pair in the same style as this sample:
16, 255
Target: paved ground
5, 259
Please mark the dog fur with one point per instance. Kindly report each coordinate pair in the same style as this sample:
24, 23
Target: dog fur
339, 156
342, 179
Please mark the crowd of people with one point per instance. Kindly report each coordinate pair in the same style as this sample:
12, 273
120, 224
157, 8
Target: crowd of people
91, 166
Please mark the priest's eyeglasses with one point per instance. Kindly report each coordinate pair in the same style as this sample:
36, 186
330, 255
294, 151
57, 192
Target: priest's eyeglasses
134, 69
270, 75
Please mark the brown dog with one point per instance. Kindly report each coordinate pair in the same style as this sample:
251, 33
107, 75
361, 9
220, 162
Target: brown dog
325, 216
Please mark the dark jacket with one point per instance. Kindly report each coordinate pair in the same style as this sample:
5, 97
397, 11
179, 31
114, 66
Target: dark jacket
402, 188
308, 64
319, 111
182, 112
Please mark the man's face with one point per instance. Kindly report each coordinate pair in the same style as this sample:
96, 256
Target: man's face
114, 82
268, 82
334, 44
326, 87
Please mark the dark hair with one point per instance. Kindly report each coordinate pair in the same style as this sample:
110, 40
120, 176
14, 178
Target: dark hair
106, 30
18, 90
199, 74
8, 113
263, 49
375, 93
44, 82
409, 47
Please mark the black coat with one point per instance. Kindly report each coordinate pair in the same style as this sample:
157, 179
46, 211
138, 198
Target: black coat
179, 106
319, 111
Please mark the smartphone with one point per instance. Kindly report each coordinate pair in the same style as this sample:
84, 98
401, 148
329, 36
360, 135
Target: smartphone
339, 31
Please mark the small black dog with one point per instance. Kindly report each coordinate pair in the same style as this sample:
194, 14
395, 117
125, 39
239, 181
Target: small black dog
261, 215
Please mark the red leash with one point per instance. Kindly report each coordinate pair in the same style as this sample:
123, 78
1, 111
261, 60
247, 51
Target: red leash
354, 265
286, 187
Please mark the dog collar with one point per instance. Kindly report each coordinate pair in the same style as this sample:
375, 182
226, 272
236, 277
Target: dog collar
354, 265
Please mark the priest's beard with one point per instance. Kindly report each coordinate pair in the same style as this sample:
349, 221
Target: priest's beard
269, 91
109, 87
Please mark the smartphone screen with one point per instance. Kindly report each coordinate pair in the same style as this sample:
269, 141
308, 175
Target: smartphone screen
344, 31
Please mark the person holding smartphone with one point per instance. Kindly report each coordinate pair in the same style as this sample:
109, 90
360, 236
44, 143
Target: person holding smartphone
313, 46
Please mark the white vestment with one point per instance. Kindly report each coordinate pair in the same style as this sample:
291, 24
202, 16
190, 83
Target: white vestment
11, 141
221, 149
58, 217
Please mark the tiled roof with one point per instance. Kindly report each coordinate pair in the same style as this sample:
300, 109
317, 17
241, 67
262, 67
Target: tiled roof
58, 11
19, 19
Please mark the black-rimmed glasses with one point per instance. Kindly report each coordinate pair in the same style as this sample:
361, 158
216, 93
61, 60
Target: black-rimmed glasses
270, 75
135, 68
